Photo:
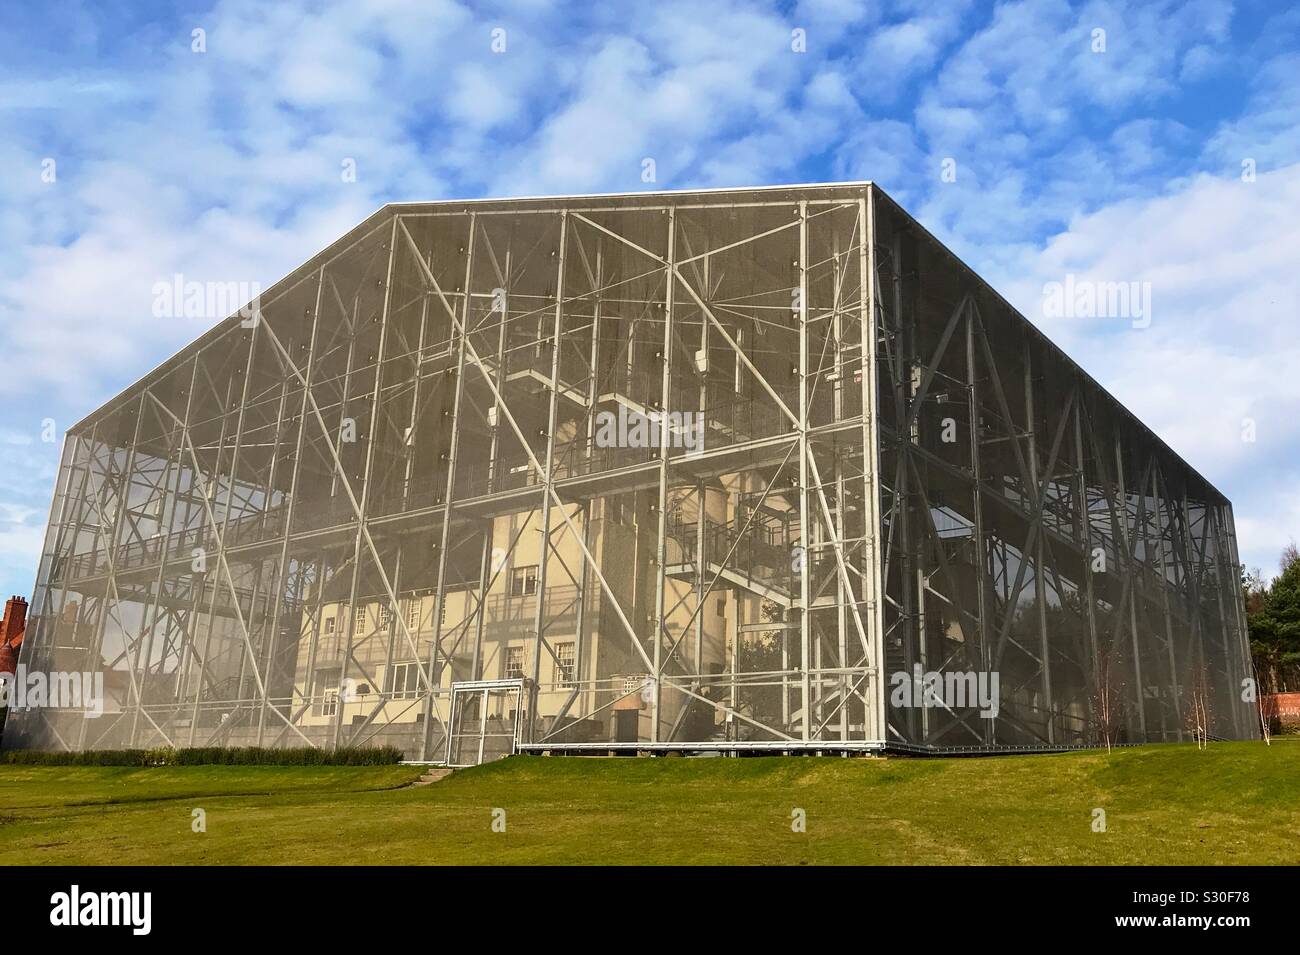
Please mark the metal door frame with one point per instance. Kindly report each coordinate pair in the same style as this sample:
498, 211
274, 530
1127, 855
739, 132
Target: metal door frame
483, 688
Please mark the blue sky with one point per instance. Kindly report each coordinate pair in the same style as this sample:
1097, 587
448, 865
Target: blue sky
1125, 163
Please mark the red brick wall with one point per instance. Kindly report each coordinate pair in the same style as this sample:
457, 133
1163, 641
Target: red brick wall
15, 619
1285, 706
11, 633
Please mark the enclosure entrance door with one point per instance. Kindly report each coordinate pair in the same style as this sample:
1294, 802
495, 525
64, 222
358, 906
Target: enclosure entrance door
485, 720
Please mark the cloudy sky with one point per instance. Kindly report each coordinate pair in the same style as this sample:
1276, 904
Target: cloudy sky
1152, 141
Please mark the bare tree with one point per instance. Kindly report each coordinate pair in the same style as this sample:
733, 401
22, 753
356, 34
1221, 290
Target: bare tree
1197, 712
1265, 717
1107, 699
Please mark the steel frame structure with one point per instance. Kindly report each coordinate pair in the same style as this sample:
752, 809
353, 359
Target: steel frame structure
310, 528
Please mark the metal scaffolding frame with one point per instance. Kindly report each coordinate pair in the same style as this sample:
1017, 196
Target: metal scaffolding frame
319, 526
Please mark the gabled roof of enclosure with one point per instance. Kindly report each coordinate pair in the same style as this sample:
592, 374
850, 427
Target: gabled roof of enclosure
771, 194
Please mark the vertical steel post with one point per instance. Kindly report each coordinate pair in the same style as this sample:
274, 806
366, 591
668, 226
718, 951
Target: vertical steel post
548, 480
1157, 502
290, 503
873, 571
450, 493
700, 586
162, 561
494, 448
1122, 534
980, 554
1040, 578
485, 571
413, 422
843, 598
580, 624
216, 581
805, 588
111, 542
1085, 531
658, 625
372, 439
1239, 634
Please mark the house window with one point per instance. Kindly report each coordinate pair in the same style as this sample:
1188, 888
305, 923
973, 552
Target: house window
564, 664
404, 681
329, 624
523, 581
359, 620
325, 691
413, 614
512, 667
384, 614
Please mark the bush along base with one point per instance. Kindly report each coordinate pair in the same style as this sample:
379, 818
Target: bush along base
207, 756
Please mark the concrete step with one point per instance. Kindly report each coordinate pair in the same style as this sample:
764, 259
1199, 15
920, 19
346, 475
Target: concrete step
433, 774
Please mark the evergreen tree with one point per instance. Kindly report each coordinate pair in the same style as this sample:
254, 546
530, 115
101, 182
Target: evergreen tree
1273, 618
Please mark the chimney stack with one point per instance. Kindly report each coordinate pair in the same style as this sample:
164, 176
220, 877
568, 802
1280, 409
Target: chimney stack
11, 633
14, 621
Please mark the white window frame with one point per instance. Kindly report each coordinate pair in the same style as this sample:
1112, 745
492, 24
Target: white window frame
404, 681
328, 692
507, 656
521, 574
565, 674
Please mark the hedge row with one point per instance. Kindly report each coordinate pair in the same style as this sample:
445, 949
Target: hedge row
207, 756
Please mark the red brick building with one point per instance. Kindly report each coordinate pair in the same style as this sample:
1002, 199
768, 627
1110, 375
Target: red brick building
12, 626
1282, 710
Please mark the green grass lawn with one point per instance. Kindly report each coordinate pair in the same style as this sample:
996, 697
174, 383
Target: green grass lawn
1233, 803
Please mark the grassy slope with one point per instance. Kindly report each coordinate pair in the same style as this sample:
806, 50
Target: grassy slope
1234, 803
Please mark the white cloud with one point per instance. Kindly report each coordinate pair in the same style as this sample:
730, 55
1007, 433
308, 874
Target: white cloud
1268, 130
884, 151
725, 94
1199, 62
1221, 347
895, 53
226, 165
